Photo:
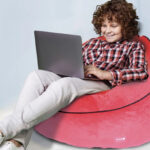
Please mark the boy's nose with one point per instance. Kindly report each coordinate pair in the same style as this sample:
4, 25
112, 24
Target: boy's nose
108, 30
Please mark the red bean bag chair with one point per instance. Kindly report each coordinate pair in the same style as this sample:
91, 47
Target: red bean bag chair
116, 118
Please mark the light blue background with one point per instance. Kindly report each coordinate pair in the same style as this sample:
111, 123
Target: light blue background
18, 20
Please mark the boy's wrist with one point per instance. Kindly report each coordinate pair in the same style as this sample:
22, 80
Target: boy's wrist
108, 75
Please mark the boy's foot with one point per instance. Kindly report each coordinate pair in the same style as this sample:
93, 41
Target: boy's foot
8, 145
17, 143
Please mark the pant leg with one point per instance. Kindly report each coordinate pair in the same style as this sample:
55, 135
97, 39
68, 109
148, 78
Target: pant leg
58, 95
35, 84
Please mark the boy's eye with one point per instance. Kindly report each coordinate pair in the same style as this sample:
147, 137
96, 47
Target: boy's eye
103, 25
114, 25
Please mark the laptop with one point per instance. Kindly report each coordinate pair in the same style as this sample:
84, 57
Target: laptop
60, 53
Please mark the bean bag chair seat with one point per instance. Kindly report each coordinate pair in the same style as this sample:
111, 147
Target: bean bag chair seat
116, 118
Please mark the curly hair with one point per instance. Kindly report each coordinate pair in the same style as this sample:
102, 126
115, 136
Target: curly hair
120, 11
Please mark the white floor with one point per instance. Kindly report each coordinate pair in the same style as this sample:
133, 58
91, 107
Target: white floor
39, 142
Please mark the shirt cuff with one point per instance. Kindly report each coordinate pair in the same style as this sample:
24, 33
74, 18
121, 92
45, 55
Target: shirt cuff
117, 78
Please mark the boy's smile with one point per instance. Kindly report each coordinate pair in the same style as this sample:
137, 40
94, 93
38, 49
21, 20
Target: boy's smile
111, 31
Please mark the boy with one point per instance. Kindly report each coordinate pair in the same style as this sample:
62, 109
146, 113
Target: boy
118, 59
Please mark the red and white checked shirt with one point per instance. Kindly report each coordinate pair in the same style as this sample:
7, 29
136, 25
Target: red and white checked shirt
124, 59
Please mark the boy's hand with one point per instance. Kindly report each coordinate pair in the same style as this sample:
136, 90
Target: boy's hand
100, 74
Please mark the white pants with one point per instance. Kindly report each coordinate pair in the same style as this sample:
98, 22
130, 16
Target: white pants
44, 93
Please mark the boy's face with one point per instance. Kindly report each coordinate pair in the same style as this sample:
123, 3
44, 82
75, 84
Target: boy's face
111, 31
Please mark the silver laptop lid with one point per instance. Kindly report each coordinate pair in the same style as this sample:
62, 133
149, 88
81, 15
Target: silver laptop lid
59, 53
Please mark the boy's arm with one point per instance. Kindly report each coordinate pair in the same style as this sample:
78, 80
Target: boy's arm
100, 74
137, 69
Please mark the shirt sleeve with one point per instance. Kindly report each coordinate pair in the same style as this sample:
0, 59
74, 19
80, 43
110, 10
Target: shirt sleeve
85, 46
137, 69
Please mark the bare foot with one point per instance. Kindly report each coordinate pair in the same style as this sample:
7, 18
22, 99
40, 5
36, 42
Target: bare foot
17, 143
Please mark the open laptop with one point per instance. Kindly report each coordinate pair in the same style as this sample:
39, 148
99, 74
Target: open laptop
60, 53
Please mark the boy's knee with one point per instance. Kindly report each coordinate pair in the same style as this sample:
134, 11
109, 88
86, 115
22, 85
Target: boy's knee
32, 75
33, 78
37, 74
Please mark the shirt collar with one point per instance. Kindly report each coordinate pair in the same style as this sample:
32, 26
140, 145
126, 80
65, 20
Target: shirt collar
117, 42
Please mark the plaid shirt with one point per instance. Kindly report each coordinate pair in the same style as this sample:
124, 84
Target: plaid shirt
124, 59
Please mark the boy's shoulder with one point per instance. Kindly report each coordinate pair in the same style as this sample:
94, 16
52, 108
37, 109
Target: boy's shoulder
136, 43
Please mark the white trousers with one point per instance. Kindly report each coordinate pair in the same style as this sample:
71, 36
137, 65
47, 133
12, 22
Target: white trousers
44, 94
